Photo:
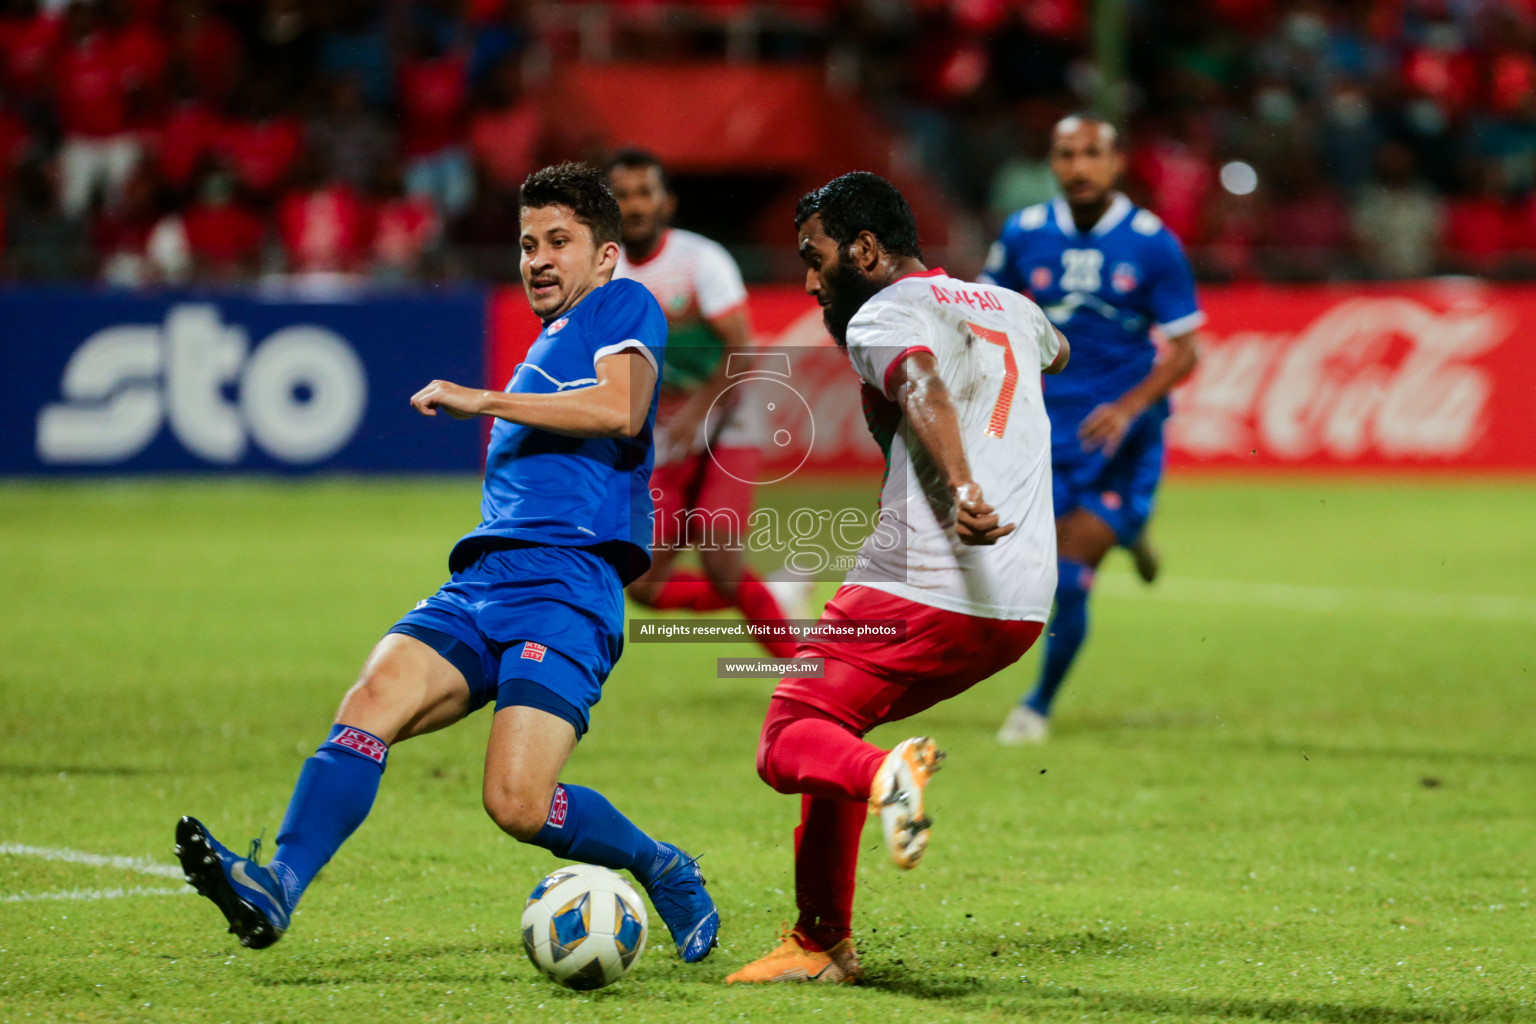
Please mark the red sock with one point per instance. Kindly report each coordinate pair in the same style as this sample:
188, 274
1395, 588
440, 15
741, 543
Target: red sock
690, 591
826, 856
804, 750
757, 603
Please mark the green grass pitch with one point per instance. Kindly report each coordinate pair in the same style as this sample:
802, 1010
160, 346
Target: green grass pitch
1295, 781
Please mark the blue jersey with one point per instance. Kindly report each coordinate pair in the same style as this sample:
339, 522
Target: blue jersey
548, 488
1105, 290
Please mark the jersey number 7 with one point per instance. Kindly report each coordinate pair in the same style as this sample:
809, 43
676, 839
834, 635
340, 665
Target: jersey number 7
999, 421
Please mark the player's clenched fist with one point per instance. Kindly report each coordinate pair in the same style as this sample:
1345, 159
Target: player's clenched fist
459, 402
976, 521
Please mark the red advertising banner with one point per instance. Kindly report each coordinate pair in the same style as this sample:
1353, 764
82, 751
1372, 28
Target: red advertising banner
1428, 376
1425, 376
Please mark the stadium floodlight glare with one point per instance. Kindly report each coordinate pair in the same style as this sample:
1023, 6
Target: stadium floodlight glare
1239, 178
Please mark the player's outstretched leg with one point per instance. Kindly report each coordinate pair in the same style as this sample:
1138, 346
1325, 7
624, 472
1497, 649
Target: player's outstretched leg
897, 797
1027, 723
1144, 554
676, 889
582, 825
250, 896
334, 794
820, 945
529, 747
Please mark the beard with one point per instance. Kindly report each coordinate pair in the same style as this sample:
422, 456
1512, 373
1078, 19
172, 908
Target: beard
848, 292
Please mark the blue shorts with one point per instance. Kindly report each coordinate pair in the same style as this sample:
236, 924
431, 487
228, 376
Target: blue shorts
534, 625
1118, 489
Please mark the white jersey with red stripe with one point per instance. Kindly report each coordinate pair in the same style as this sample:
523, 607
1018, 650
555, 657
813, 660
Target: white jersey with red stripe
990, 345
696, 282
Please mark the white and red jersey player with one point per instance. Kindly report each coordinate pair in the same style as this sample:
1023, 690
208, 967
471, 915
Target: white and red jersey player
710, 429
697, 284
962, 611
990, 345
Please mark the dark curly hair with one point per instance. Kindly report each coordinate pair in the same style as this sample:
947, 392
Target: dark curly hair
861, 201
583, 188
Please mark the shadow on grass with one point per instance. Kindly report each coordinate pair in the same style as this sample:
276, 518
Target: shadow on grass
1320, 751
976, 993
1181, 1007
27, 771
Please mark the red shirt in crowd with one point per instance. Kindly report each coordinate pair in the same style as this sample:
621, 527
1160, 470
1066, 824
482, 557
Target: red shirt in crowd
142, 54
92, 79
433, 96
404, 229
210, 50
1178, 180
506, 142
28, 47
1479, 232
224, 236
323, 229
13, 138
191, 131
1314, 224
263, 153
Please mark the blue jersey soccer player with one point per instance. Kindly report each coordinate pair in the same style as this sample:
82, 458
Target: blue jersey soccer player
533, 615
1106, 273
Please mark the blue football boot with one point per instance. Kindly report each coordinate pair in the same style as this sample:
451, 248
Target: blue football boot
677, 892
248, 894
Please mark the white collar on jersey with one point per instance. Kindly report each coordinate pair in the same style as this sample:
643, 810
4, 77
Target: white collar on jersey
1119, 209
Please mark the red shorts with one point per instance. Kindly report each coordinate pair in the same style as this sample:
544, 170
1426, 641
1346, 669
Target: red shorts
945, 653
706, 491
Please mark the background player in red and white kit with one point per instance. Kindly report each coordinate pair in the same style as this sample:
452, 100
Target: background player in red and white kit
964, 559
706, 466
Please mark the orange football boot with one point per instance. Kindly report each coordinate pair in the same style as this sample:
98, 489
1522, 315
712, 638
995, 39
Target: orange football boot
793, 962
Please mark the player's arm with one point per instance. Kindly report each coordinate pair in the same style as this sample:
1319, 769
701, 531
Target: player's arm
616, 406
1063, 353
916, 386
1173, 307
1107, 425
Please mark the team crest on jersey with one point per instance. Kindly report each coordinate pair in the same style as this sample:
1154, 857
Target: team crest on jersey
534, 652
1040, 278
1123, 279
554, 328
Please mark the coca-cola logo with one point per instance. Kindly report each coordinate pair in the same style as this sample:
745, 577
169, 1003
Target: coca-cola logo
1377, 376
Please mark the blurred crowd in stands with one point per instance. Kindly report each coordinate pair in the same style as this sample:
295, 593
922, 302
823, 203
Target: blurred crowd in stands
173, 141
1280, 139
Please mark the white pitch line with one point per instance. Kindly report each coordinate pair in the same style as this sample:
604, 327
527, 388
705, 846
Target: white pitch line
142, 865
94, 894
1290, 597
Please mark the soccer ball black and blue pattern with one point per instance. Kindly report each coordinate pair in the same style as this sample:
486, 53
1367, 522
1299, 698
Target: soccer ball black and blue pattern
584, 926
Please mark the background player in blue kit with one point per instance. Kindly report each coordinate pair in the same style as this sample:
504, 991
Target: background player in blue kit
533, 615
1106, 273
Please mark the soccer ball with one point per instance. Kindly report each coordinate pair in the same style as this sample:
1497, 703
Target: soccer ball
584, 926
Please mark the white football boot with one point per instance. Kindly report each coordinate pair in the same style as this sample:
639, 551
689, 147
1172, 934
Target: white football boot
1024, 725
897, 796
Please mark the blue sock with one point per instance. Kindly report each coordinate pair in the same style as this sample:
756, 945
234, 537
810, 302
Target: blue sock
582, 825
334, 794
1065, 634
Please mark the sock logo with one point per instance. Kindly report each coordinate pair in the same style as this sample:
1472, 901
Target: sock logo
557, 808
534, 652
368, 746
